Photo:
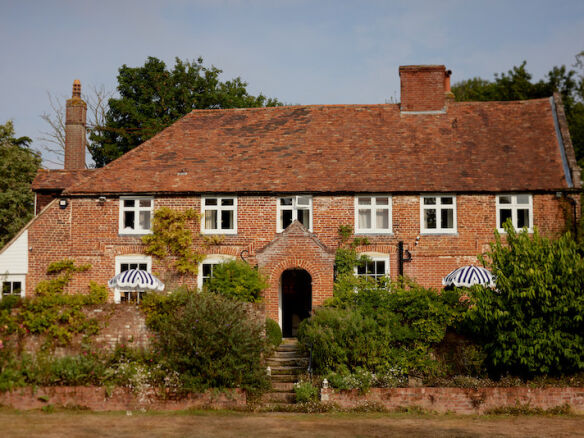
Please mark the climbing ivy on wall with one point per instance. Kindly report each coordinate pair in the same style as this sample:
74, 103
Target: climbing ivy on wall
171, 240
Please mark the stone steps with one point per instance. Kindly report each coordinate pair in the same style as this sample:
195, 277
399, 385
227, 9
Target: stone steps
286, 364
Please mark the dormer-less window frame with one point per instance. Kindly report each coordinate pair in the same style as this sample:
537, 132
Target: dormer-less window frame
373, 214
518, 208
136, 214
219, 215
376, 267
207, 266
291, 208
438, 214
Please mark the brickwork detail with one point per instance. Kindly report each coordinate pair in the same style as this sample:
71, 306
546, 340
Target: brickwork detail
422, 87
87, 231
296, 247
460, 400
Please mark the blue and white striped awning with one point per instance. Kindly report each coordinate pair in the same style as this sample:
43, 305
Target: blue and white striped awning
135, 279
468, 276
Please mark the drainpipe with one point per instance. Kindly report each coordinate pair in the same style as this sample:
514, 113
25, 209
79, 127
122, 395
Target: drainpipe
402, 257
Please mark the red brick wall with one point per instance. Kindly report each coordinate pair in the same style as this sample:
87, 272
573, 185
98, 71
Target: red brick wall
87, 231
119, 399
460, 400
422, 87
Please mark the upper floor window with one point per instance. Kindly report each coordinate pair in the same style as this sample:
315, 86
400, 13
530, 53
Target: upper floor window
518, 208
293, 208
207, 266
219, 215
438, 214
376, 267
373, 214
136, 215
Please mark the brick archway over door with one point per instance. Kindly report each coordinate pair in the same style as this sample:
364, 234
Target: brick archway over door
296, 248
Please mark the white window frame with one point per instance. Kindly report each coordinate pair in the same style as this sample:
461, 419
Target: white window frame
11, 278
130, 259
294, 207
137, 209
373, 207
219, 208
376, 257
514, 206
438, 207
213, 259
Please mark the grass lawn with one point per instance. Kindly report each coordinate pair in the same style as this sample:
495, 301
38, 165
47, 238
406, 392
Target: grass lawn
70, 424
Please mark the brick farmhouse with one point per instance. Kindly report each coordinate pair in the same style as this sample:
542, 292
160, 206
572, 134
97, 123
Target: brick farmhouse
427, 181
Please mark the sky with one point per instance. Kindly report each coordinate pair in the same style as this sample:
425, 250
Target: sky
301, 52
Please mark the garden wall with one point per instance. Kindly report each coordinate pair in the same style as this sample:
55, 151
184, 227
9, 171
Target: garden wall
118, 399
459, 400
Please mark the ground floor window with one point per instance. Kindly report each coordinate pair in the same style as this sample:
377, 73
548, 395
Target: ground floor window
206, 267
125, 263
376, 267
11, 288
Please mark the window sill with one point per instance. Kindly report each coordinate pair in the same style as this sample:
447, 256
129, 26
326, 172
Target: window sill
222, 232
374, 233
134, 233
439, 233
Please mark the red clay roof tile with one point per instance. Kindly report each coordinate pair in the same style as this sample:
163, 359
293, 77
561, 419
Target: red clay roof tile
476, 146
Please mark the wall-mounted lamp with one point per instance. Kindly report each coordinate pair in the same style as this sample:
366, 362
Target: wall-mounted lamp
101, 200
417, 241
63, 204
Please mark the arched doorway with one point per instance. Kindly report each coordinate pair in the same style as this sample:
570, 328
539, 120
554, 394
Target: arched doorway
295, 300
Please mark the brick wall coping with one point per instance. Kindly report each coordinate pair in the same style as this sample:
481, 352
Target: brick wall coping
460, 400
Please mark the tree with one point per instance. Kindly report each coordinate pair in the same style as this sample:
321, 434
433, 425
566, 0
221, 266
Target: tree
18, 167
517, 84
53, 140
153, 97
533, 322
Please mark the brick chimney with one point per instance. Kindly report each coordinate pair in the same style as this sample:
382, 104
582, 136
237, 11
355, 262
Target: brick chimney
424, 87
75, 134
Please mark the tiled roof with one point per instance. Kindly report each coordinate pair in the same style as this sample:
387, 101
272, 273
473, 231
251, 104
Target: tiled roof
57, 179
475, 146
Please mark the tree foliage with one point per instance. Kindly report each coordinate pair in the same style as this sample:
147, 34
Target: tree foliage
237, 280
517, 84
153, 97
18, 167
533, 323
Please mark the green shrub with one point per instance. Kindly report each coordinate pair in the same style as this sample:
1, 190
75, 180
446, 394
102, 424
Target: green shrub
210, 340
305, 392
382, 328
52, 313
237, 280
533, 323
273, 333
